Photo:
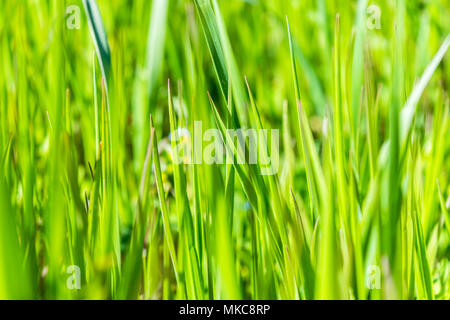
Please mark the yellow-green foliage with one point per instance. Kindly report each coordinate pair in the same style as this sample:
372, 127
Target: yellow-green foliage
97, 203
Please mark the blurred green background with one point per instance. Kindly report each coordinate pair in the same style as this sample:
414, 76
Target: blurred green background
358, 210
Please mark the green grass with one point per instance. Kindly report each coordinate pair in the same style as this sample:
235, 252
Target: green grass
91, 172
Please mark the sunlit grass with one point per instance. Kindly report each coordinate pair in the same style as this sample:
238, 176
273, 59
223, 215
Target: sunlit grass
91, 176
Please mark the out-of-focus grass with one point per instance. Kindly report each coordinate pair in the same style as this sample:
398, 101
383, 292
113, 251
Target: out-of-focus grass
88, 180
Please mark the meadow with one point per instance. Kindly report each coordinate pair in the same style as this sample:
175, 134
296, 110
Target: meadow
100, 197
